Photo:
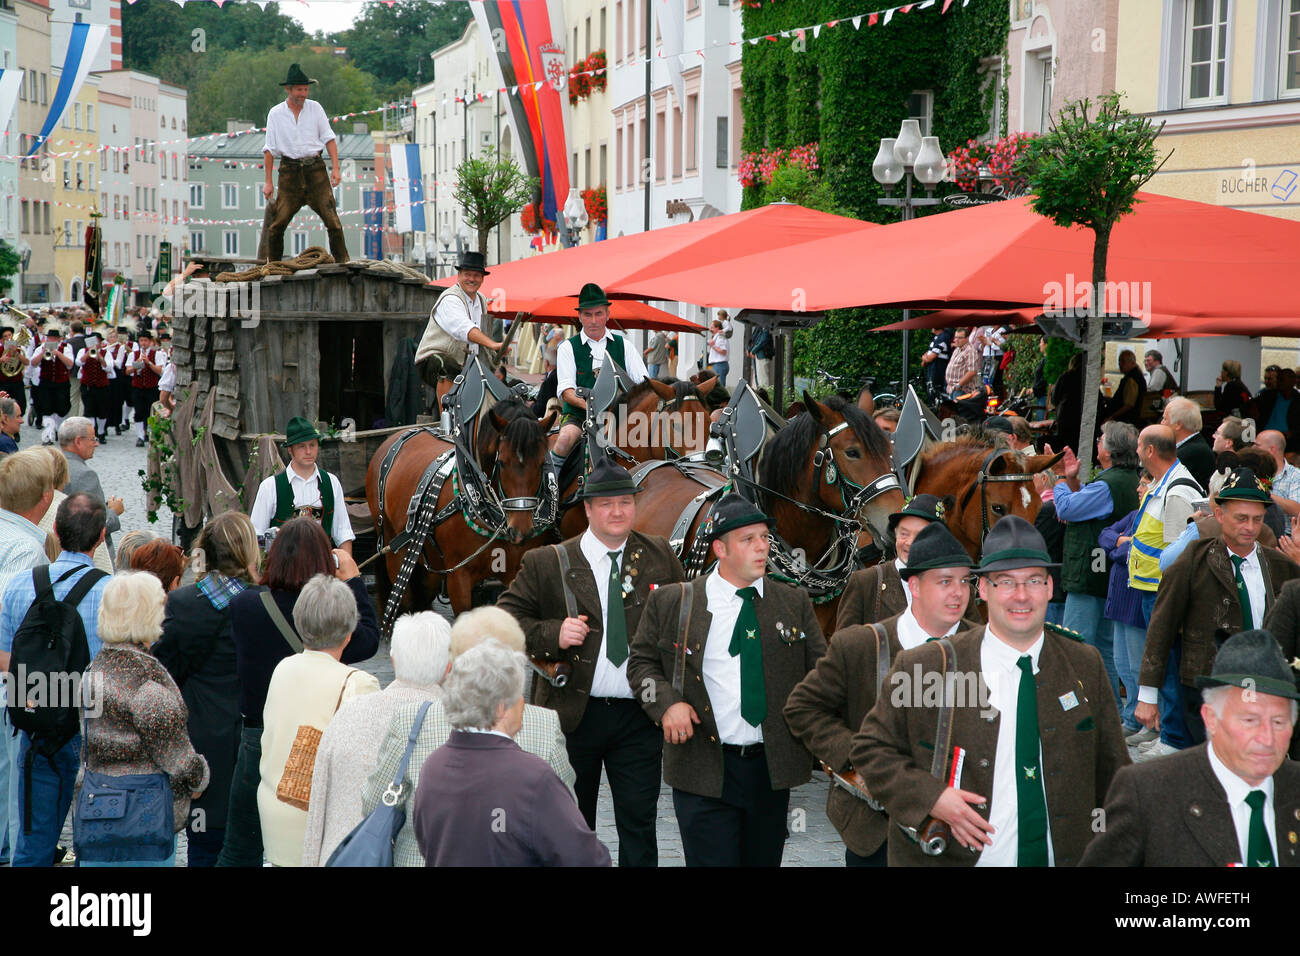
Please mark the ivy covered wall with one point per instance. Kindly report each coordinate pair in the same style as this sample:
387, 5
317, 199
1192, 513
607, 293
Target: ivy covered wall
848, 89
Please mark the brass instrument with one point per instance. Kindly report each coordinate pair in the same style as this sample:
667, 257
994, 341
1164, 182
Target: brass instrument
11, 364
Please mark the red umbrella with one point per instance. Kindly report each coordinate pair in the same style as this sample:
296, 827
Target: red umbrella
623, 314
704, 244
1170, 256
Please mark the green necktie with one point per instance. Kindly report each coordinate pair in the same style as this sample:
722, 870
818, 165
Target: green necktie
616, 623
1258, 850
1243, 596
1031, 805
746, 645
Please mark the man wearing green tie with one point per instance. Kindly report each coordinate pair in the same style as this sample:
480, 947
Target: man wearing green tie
579, 602
1033, 735
713, 663
1232, 801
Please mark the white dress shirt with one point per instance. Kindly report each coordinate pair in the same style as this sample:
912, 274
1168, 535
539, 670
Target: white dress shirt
299, 137
566, 368
721, 670
911, 634
899, 564
998, 664
451, 316
306, 491
107, 362
1237, 789
608, 680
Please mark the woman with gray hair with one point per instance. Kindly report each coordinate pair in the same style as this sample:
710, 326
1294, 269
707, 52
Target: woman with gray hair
135, 716
305, 693
482, 800
350, 745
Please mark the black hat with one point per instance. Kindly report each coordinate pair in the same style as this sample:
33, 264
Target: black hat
54, 331
592, 296
123, 330
734, 512
1244, 485
472, 260
998, 423
297, 77
935, 547
1014, 543
608, 479
164, 334
928, 507
1254, 660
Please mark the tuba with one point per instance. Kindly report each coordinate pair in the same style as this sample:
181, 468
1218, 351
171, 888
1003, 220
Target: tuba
11, 364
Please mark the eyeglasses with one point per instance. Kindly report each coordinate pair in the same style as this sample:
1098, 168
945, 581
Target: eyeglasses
1011, 585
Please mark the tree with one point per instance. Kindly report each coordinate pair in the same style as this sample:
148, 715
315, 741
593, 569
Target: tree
490, 189
1087, 172
9, 266
394, 43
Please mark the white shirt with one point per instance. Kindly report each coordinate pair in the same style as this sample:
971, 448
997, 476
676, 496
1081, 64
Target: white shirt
998, 664
721, 670
608, 680
718, 348
1237, 789
911, 634
451, 316
306, 491
167, 381
298, 137
566, 369
107, 362
117, 352
899, 564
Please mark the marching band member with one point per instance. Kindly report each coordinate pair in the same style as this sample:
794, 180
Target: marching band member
53, 389
145, 372
95, 372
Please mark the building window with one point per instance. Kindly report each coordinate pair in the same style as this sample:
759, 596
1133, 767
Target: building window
196, 195
22, 85
601, 38
90, 117
920, 107
660, 143
90, 176
76, 116
81, 175
67, 174
139, 247
45, 97
117, 161
678, 144
117, 206
79, 237
604, 155
618, 158
992, 67
174, 167
299, 242
230, 195
722, 143
259, 200
196, 241
1290, 48
24, 214
162, 171
586, 168
618, 33
1206, 51
692, 132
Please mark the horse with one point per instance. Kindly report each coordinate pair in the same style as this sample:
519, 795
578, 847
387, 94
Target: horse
990, 482
460, 551
821, 477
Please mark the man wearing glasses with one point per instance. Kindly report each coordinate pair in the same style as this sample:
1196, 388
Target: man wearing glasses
1034, 733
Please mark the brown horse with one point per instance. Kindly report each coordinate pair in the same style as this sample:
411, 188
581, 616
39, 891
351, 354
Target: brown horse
954, 469
823, 476
511, 451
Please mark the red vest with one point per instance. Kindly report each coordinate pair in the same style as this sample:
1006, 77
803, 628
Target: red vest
54, 371
146, 377
93, 373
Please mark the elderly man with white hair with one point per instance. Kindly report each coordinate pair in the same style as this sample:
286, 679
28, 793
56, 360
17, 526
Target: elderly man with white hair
1184, 416
540, 734
306, 691
350, 745
1229, 801
482, 800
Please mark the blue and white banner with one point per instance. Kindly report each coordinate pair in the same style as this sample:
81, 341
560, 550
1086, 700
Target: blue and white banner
408, 188
11, 82
83, 46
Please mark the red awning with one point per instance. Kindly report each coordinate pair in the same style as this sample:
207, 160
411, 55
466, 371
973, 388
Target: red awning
624, 314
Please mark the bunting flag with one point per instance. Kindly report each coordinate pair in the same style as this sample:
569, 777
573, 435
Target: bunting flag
408, 190
93, 278
84, 42
11, 82
671, 15
529, 54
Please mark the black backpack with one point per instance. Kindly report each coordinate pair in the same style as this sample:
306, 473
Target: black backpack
50, 647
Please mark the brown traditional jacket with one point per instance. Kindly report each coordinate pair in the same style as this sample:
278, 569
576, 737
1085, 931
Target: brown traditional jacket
792, 643
1198, 601
825, 711
1082, 746
536, 599
876, 593
1174, 812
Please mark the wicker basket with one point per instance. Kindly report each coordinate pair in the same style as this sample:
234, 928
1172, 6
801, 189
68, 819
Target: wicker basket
295, 783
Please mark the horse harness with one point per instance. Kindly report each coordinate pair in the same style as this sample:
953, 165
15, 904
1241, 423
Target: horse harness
983, 480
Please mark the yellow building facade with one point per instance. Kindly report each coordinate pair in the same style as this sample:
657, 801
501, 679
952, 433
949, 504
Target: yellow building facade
74, 150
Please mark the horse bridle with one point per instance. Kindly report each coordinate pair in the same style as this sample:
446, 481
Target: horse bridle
824, 461
543, 505
983, 480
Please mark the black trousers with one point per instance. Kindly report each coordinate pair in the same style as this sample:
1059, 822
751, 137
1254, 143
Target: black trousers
745, 827
116, 398
143, 400
616, 733
53, 398
1192, 715
96, 401
13, 387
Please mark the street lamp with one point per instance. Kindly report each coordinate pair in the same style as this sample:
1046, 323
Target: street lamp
907, 155
575, 216
444, 238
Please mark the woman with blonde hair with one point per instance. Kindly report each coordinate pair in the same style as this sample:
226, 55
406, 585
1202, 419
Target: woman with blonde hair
135, 728
198, 650
59, 476
1231, 396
